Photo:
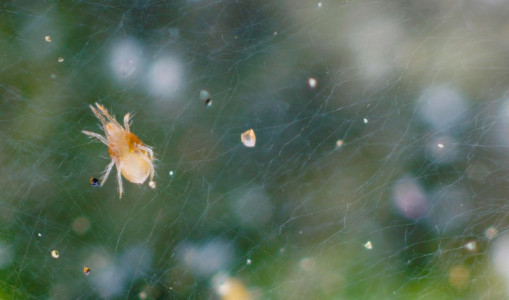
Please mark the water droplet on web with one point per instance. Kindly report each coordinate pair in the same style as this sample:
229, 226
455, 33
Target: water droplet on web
365, 121
248, 261
312, 82
55, 254
230, 288
39, 234
152, 184
339, 143
171, 173
368, 245
248, 138
490, 233
47, 38
60, 59
471, 246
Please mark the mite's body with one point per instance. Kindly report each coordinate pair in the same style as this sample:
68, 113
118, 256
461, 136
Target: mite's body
131, 157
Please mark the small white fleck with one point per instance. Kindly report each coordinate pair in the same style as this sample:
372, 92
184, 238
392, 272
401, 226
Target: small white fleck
312, 82
365, 121
368, 245
248, 261
55, 254
171, 173
39, 234
319, 4
275, 32
471, 246
300, 231
440, 145
339, 143
152, 184
47, 38
60, 59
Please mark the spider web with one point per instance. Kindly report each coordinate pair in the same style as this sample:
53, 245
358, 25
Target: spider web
379, 170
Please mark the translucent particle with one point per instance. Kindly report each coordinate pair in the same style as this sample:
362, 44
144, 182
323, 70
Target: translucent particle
410, 198
368, 245
471, 246
459, 276
86, 271
47, 38
55, 254
80, 225
490, 233
171, 173
275, 33
165, 76
204, 94
307, 264
60, 59
248, 261
132, 158
319, 4
39, 234
152, 184
94, 182
248, 138
365, 121
440, 145
312, 82
339, 143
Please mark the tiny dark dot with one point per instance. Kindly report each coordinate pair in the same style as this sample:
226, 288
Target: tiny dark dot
94, 182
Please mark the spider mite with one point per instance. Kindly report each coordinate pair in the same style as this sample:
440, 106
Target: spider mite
131, 157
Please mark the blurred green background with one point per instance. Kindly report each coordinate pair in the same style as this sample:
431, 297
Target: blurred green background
379, 172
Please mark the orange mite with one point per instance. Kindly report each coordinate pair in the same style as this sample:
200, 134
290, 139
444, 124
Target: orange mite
132, 158
86, 271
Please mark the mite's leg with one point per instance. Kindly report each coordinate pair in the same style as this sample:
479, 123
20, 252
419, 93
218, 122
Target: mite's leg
106, 114
98, 115
146, 149
126, 122
107, 172
96, 135
119, 179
